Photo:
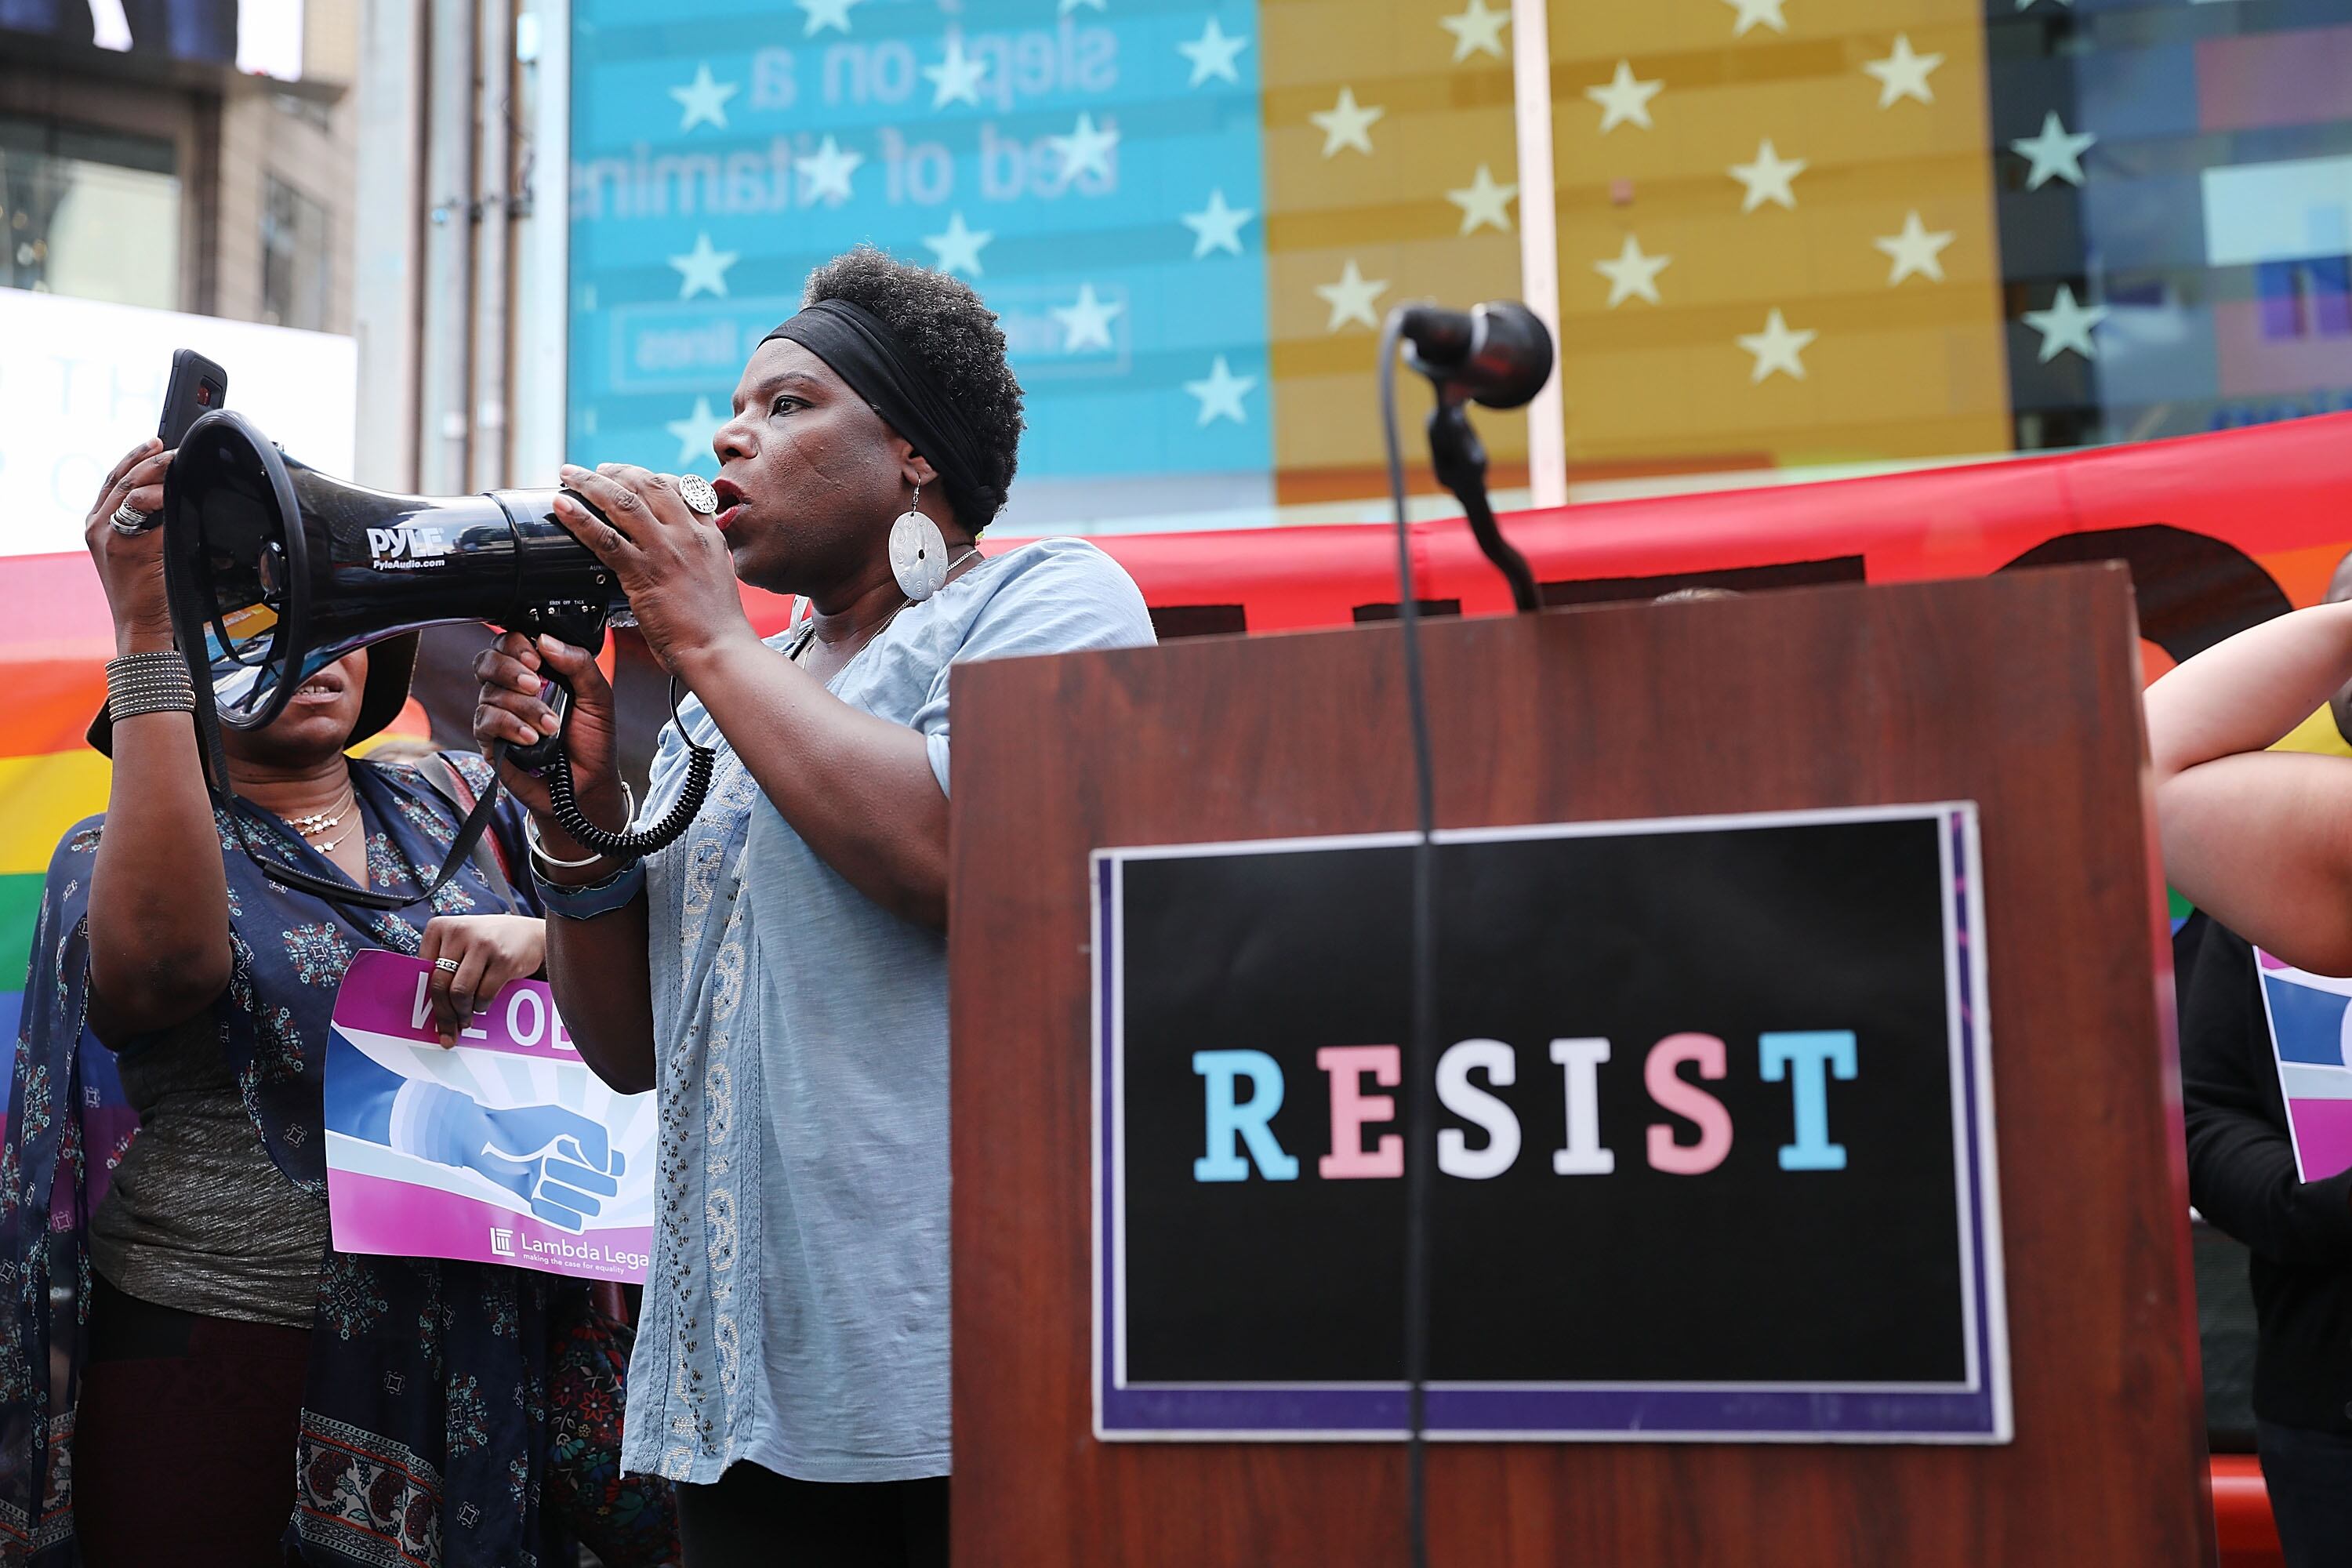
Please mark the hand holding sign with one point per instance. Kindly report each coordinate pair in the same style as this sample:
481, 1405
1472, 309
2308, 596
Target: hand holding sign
503, 1149
488, 951
554, 1160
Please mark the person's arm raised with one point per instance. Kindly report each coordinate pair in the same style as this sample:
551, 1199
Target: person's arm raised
2260, 839
859, 790
159, 947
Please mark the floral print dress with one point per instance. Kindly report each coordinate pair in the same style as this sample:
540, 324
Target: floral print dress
424, 1433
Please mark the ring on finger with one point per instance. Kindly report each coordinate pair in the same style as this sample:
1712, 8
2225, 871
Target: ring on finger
446, 965
129, 519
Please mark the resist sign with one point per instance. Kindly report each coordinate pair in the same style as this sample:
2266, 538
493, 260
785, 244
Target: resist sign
1714, 1153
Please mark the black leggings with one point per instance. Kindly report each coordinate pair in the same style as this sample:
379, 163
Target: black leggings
754, 1518
2309, 1477
183, 1448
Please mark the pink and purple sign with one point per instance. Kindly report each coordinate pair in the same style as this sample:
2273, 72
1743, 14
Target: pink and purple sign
503, 1149
2311, 1036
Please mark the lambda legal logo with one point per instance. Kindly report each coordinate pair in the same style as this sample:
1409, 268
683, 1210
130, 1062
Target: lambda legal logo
501, 1242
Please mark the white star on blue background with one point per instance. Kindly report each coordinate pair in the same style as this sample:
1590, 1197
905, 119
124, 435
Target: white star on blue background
702, 270
958, 251
1217, 226
703, 100
1212, 55
1222, 393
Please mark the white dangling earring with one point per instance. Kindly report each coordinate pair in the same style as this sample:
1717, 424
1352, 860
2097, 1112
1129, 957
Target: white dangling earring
919, 553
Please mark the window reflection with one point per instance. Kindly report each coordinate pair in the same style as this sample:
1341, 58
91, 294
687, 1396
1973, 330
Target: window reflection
94, 213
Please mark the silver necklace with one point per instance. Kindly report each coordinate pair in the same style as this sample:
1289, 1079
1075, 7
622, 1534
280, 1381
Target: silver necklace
310, 825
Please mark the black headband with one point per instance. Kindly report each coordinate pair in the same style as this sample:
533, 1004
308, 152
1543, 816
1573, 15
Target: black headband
864, 352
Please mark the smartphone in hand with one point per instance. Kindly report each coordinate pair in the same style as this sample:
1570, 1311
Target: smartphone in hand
197, 387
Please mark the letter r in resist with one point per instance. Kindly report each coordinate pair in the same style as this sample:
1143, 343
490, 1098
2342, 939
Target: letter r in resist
1232, 1123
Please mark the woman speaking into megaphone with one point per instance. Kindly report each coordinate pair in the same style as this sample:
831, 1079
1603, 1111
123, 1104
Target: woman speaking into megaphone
778, 974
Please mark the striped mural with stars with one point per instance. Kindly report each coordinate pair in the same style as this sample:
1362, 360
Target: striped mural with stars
1189, 218
1788, 233
1807, 232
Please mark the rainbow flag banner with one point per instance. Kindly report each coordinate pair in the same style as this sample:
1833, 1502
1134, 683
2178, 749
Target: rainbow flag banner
54, 643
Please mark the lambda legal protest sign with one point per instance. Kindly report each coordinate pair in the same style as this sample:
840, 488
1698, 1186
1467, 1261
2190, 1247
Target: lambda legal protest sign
503, 1149
1714, 1154
2311, 1036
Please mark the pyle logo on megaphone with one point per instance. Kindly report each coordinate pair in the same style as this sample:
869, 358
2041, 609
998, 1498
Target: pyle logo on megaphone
405, 547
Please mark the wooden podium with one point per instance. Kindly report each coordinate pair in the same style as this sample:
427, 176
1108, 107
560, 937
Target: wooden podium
2019, 694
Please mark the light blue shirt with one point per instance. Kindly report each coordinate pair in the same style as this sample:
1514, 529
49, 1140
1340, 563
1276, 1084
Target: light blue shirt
797, 1313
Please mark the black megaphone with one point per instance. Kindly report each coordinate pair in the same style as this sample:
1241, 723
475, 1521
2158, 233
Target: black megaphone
291, 570
275, 570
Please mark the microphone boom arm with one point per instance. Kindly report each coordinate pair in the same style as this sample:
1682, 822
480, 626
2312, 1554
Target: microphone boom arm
1459, 460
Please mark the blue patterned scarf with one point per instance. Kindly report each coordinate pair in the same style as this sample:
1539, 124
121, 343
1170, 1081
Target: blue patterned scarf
424, 1433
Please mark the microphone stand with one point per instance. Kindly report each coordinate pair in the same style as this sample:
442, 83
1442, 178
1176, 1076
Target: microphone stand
1459, 458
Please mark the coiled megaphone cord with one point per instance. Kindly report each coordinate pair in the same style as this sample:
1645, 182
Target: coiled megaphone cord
700, 762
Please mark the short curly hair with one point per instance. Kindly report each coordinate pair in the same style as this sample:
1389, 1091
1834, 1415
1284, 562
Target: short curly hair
955, 337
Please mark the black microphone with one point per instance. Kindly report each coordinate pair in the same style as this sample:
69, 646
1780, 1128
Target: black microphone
1497, 354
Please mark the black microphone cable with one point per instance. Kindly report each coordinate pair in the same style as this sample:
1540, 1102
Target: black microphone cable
1421, 982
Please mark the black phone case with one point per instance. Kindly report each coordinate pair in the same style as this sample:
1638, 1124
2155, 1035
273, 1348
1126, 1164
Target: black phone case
197, 387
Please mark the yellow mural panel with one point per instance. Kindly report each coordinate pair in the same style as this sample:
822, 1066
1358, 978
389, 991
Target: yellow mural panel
1430, 211
1776, 245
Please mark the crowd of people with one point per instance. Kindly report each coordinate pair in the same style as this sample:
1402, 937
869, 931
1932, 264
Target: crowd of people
190, 1372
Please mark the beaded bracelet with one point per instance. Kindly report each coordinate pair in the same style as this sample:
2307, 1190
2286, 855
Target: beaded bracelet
154, 682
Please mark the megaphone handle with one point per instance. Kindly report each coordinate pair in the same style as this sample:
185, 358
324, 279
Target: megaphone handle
580, 625
533, 758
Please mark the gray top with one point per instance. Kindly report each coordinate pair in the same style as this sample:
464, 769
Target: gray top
797, 1314
198, 1217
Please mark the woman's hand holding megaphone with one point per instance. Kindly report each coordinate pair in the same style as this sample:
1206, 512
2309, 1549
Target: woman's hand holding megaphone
131, 565
675, 569
674, 566
672, 562
513, 671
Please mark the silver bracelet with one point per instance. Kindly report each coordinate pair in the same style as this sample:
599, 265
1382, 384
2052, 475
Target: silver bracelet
539, 848
154, 682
